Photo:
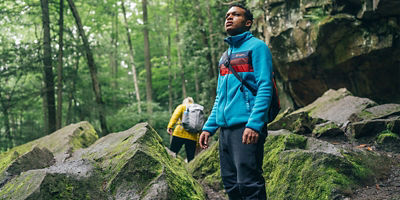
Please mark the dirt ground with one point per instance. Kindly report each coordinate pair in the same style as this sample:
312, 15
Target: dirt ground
386, 189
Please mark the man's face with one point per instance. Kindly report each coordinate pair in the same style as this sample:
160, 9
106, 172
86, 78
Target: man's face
235, 21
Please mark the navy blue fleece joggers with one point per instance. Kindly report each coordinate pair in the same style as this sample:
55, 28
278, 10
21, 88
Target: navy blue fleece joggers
241, 165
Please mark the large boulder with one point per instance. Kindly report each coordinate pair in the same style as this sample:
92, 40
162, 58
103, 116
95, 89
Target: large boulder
300, 167
46, 151
334, 106
327, 44
132, 164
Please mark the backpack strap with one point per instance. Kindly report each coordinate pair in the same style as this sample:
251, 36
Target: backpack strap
252, 90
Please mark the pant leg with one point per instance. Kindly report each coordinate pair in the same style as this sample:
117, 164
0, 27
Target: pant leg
247, 160
176, 144
228, 169
190, 147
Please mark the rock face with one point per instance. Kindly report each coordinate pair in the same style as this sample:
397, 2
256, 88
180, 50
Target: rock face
127, 165
331, 44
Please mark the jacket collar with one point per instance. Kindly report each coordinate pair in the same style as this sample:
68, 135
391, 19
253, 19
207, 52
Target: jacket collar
237, 40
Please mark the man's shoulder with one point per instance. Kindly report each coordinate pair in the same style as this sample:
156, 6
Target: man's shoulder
257, 43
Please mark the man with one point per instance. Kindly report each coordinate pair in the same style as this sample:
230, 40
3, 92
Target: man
240, 115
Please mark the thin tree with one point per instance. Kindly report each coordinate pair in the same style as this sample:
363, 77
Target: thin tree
149, 87
60, 66
169, 60
211, 41
49, 101
179, 51
92, 68
114, 53
131, 56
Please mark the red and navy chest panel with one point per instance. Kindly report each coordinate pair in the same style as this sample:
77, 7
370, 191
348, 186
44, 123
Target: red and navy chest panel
240, 61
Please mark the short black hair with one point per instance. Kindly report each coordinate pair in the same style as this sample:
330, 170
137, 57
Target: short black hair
247, 13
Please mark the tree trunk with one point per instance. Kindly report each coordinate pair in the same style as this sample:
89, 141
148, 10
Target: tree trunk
48, 70
71, 96
6, 121
211, 41
114, 54
169, 62
92, 68
178, 49
204, 38
149, 86
60, 67
131, 56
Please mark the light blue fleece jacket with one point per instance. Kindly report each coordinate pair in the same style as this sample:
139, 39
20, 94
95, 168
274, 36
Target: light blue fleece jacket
232, 106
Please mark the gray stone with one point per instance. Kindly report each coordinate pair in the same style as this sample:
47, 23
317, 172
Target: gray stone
376, 112
370, 128
336, 106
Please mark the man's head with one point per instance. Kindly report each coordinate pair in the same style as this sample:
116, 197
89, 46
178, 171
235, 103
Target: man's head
238, 19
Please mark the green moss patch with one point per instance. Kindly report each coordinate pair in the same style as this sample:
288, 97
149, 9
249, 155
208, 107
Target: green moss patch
60, 186
387, 137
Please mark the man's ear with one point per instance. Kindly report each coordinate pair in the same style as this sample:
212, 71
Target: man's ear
249, 23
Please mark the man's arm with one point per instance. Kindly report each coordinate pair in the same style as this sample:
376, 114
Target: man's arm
262, 64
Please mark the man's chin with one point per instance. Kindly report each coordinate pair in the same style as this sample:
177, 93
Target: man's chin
233, 32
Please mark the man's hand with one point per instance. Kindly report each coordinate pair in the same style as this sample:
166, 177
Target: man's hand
249, 136
169, 130
203, 141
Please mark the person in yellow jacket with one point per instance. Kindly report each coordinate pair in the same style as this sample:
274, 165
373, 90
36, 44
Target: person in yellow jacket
179, 135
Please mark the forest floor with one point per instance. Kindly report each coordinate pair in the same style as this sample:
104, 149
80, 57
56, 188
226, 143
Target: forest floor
388, 188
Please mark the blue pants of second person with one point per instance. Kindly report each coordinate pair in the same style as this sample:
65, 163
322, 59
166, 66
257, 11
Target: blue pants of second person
241, 165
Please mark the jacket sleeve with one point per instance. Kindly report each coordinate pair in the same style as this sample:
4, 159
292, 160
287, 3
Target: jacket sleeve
176, 116
262, 64
211, 124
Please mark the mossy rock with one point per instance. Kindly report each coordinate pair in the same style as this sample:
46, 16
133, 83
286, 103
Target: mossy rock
297, 122
377, 112
299, 167
132, 164
61, 144
336, 106
388, 141
371, 128
327, 130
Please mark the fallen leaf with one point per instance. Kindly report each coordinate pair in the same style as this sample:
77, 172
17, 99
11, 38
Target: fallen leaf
377, 187
361, 145
369, 148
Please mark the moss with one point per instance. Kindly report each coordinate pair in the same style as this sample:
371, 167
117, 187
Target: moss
387, 135
19, 187
82, 138
60, 186
319, 130
6, 158
206, 167
292, 173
